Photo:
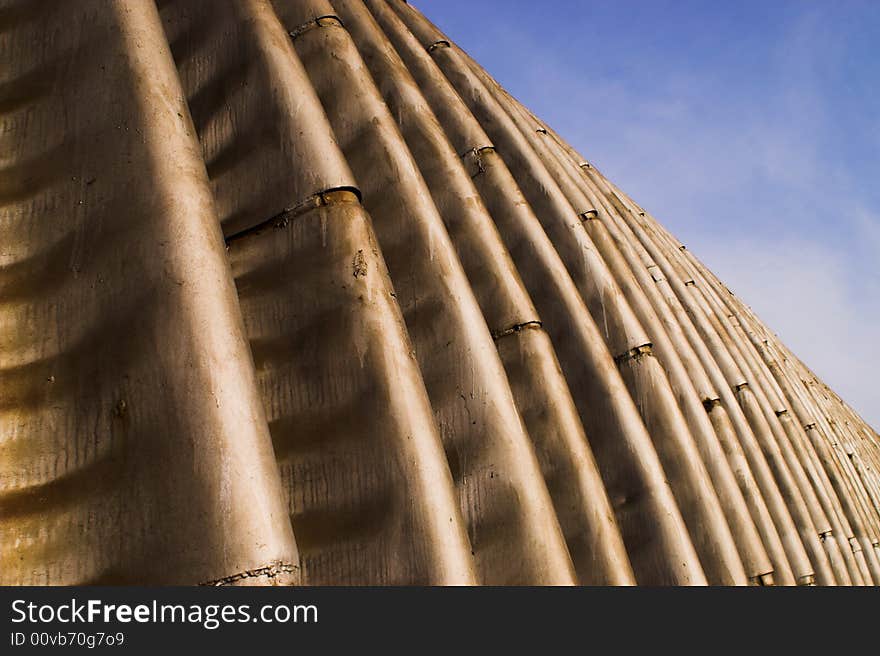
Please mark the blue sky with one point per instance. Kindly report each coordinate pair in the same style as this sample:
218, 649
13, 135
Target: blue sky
750, 129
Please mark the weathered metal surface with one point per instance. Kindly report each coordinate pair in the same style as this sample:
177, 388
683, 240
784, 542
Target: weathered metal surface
294, 291
134, 443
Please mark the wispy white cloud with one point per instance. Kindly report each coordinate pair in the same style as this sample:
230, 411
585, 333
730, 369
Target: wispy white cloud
802, 291
738, 144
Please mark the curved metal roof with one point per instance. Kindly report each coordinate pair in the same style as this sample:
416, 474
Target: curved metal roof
296, 292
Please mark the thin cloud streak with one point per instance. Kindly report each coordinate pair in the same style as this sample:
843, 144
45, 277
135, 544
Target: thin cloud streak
753, 137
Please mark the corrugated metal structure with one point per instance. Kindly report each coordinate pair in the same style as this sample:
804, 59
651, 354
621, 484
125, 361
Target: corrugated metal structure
294, 292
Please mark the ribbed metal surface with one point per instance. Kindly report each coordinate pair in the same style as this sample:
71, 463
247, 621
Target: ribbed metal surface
437, 347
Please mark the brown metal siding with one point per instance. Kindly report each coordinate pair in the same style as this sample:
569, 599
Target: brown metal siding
437, 345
